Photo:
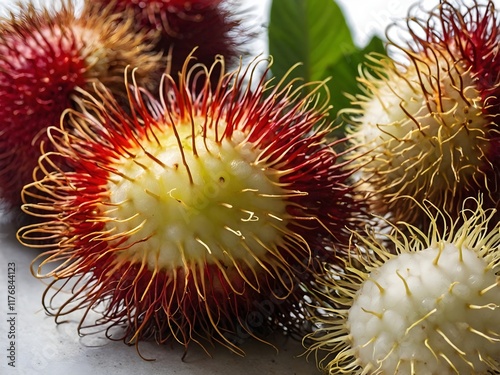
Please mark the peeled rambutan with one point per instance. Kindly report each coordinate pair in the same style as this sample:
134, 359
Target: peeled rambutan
45, 54
427, 125
209, 27
195, 217
430, 308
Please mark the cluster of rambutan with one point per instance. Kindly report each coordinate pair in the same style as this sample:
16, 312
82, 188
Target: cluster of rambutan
420, 294
194, 203
47, 53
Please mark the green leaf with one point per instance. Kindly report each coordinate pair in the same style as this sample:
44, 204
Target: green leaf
344, 73
312, 32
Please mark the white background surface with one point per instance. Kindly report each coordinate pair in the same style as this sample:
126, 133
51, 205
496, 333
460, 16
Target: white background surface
44, 348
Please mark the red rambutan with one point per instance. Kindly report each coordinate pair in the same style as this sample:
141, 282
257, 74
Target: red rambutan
45, 54
195, 217
209, 26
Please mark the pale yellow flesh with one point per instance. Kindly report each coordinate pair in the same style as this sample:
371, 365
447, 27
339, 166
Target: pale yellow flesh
225, 206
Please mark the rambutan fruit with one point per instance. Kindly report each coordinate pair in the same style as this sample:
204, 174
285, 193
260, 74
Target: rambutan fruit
427, 125
45, 54
196, 217
207, 27
430, 308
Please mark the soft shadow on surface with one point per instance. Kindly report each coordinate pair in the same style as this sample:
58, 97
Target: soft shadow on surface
42, 347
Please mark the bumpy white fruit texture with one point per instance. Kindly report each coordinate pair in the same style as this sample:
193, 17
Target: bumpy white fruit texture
433, 311
186, 201
409, 302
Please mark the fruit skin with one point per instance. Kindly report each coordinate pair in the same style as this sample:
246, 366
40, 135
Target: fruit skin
203, 29
45, 55
429, 308
258, 283
427, 123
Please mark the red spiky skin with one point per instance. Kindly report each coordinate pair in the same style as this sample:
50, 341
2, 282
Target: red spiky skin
37, 77
473, 35
207, 25
469, 36
202, 300
45, 55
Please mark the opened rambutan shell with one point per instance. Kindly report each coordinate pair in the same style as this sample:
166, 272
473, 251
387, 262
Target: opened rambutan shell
430, 307
183, 216
45, 55
427, 124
